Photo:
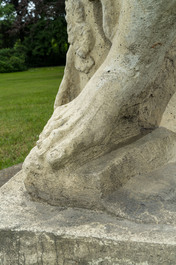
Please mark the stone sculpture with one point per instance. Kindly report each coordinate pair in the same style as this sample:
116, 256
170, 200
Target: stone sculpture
87, 51
118, 80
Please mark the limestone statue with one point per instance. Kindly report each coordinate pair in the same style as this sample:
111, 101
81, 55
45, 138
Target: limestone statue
105, 128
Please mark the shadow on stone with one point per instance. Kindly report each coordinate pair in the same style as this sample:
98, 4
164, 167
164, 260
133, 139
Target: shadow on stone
8, 173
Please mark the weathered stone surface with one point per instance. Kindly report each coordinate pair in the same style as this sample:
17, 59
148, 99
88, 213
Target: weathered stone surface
33, 233
105, 147
148, 198
89, 185
122, 93
88, 47
169, 117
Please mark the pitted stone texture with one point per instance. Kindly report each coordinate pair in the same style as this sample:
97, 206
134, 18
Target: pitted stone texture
88, 47
32, 233
169, 116
119, 105
91, 183
148, 198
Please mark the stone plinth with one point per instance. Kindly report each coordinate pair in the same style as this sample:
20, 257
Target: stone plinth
36, 233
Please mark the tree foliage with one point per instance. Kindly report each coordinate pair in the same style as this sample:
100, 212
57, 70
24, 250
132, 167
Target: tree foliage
29, 12
12, 60
47, 42
39, 26
7, 18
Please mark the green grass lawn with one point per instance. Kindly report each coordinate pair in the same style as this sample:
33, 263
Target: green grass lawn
26, 103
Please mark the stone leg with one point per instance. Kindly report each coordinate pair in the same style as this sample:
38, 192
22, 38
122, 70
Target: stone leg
110, 112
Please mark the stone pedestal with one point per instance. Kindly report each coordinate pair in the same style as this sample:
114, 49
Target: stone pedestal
36, 233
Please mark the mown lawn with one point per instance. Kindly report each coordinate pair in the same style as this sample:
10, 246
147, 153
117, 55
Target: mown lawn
26, 103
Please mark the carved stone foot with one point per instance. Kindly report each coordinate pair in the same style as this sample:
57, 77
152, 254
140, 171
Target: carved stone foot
90, 184
86, 143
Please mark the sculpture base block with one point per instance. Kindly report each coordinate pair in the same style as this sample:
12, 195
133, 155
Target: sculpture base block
34, 233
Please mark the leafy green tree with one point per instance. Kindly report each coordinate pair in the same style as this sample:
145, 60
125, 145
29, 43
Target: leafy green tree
40, 28
12, 59
7, 18
46, 42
